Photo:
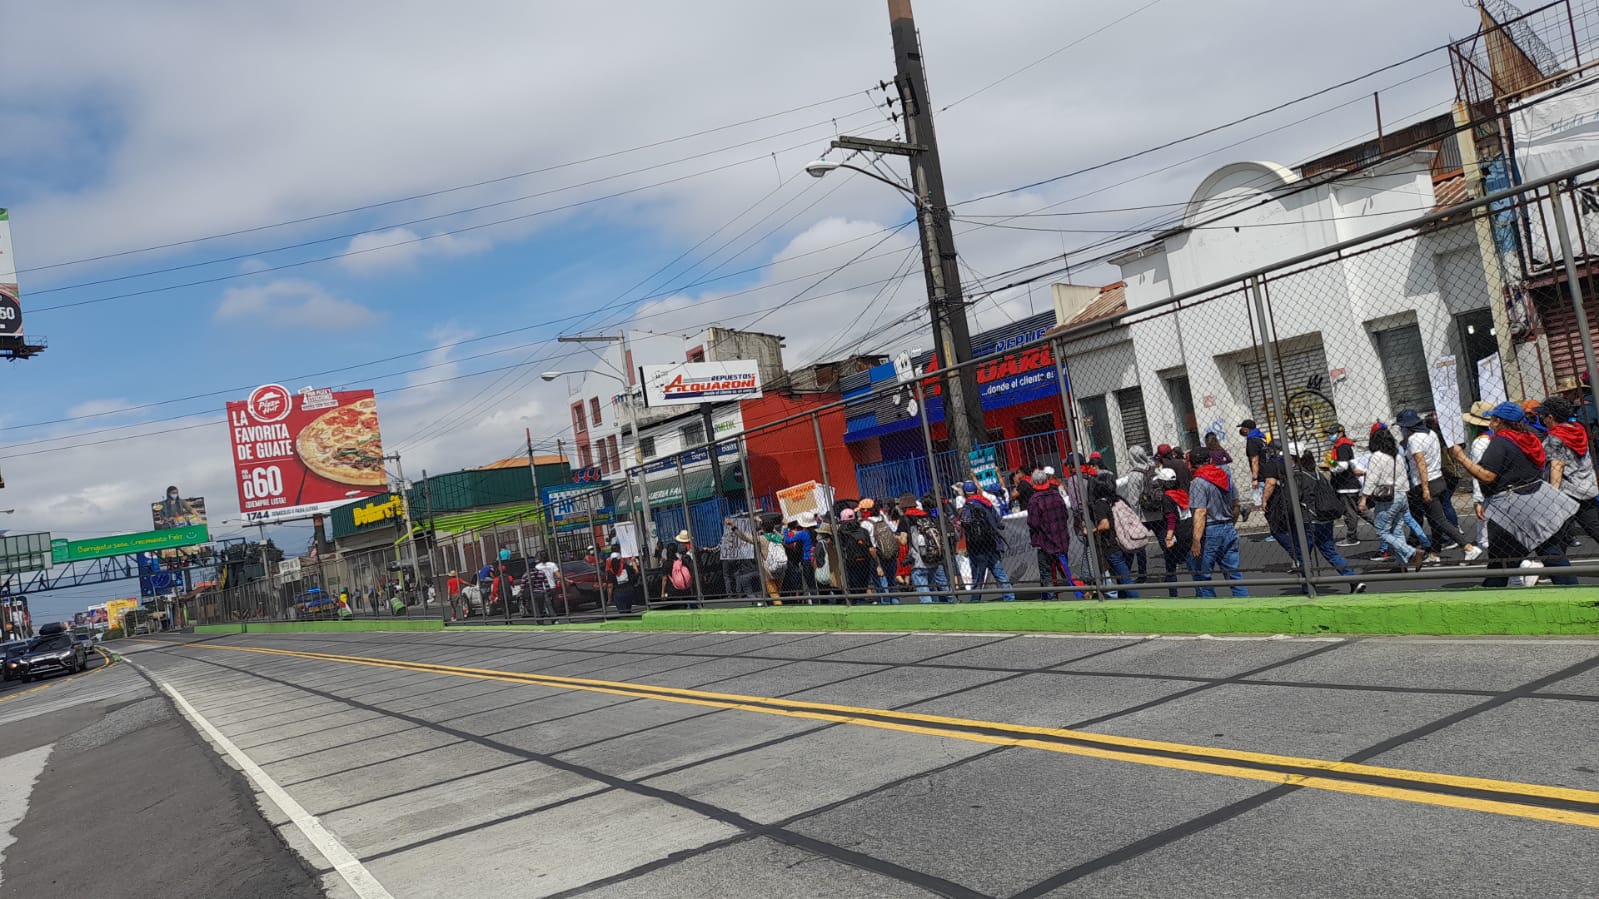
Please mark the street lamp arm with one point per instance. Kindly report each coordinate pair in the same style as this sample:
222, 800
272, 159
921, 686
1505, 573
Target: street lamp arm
909, 194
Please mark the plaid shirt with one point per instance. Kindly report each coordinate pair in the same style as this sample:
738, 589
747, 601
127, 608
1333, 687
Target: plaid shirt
1049, 523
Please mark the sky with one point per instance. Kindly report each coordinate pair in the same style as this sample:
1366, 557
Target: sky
418, 198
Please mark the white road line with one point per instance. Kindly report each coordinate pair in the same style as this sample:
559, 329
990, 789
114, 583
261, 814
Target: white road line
338, 855
18, 774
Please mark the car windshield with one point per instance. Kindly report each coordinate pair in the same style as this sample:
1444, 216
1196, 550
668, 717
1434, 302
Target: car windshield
54, 644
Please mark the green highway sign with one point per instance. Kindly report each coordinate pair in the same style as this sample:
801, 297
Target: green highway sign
63, 551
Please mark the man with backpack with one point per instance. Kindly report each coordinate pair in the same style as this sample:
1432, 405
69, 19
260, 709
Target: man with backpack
1137, 488
885, 550
926, 551
984, 531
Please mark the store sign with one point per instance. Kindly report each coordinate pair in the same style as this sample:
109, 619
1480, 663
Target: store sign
301, 455
10, 296
688, 383
577, 504
375, 512
690, 460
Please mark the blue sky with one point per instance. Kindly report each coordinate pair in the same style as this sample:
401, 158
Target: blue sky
134, 125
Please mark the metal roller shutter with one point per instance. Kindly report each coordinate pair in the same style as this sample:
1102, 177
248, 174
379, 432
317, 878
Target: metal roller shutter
1300, 369
1404, 368
1135, 421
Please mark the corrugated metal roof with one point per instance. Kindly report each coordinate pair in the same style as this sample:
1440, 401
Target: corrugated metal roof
1112, 300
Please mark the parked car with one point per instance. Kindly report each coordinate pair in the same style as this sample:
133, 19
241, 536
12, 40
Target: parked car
57, 653
582, 582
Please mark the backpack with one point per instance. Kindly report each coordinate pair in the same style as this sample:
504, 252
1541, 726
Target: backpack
930, 543
1319, 499
857, 548
887, 542
819, 552
776, 559
1131, 535
1151, 499
981, 536
680, 578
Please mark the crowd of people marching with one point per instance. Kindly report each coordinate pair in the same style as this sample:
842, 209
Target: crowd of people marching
1171, 516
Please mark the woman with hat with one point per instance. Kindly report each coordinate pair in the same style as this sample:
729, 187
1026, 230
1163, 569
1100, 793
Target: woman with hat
1476, 419
1525, 515
679, 575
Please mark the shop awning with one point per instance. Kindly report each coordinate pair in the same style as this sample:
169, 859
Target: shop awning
666, 490
457, 522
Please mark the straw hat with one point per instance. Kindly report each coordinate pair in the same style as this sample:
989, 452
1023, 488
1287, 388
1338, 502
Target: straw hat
807, 519
1478, 413
1569, 382
684, 536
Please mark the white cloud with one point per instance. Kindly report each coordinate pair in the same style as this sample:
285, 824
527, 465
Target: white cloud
401, 248
292, 303
97, 408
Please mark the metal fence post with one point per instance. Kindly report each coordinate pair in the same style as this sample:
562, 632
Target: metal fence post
688, 528
1074, 434
833, 522
1268, 339
951, 569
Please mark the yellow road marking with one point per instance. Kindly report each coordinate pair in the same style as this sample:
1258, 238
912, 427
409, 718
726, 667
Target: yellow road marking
1109, 747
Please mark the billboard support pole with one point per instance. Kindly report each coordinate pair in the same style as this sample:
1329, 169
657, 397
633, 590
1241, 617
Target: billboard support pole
410, 538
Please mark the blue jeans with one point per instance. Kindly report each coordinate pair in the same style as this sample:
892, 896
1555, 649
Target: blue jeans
884, 598
982, 564
1390, 519
1121, 565
1219, 550
935, 575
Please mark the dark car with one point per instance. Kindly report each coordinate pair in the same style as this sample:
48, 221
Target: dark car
55, 654
9, 669
582, 582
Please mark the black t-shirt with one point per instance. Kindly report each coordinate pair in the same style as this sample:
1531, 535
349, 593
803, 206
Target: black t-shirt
1253, 446
1272, 468
1099, 510
1505, 459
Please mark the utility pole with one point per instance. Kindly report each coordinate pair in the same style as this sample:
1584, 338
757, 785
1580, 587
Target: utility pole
405, 513
538, 496
963, 412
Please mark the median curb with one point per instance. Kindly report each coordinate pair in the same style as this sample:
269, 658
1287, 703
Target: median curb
1548, 611
308, 627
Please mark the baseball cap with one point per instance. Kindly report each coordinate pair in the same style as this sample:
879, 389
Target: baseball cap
1408, 418
1163, 450
1166, 475
969, 488
846, 515
1247, 423
868, 504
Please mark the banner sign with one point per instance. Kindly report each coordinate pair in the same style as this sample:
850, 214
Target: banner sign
176, 511
306, 454
1557, 132
23, 553
689, 383
985, 467
10, 297
63, 551
690, 460
1445, 379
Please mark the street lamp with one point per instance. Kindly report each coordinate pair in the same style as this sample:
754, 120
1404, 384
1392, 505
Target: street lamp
820, 167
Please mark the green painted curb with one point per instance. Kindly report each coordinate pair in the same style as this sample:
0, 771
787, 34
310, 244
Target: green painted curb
1538, 611
310, 627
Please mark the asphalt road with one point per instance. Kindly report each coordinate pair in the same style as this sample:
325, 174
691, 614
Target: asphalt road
106, 791
888, 765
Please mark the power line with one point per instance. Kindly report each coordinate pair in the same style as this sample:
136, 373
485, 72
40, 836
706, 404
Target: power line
1050, 55
435, 193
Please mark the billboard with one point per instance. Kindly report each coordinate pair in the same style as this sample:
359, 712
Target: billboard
577, 504
1558, 131
690, 383
10, 298
64, 551
305, 454
177, 511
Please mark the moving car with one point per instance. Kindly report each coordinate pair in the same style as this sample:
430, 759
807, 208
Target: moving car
57, 653
13, 651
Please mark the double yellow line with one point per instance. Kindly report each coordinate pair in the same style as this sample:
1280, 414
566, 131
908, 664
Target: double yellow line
1561, 805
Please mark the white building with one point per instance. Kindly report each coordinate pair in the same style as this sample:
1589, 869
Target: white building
599, 416
1358, 334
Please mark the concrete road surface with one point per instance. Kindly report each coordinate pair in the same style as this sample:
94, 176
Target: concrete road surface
484, 764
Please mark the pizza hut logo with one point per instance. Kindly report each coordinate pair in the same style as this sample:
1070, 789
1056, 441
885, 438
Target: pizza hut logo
269, 403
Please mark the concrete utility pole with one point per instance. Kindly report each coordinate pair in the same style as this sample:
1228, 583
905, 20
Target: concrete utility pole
405, 512
963, 413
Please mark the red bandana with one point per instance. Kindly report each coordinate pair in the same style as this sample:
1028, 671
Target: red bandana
1527, 442
1214, 475
1572, 435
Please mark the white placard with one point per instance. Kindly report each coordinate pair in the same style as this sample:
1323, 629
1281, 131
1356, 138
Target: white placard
1491, 380
627, 539
691, 383
807, 497
1446, 400
734, 548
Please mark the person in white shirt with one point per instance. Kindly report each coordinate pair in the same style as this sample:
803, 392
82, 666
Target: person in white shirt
1387, 482
1427, 494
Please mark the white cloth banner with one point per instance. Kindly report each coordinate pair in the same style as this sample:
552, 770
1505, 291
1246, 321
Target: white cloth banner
1557, 132
1491, 380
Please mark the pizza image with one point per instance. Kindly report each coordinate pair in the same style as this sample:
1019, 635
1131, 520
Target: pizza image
343, 445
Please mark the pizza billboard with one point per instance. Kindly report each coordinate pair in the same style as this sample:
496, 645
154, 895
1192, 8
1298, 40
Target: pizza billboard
690, 383
10, 297
296, 455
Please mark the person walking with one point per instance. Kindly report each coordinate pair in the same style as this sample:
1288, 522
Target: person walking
1273, 473
1316, 495
1424, 458
1342, 470
885, 551
1214, 502
984, 532
1387, 483
1177, 528
1570, 462
926, 552
860, 557
1137, 489
1102, 515
679, 574
1049, 530
1526, 516
800, 538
